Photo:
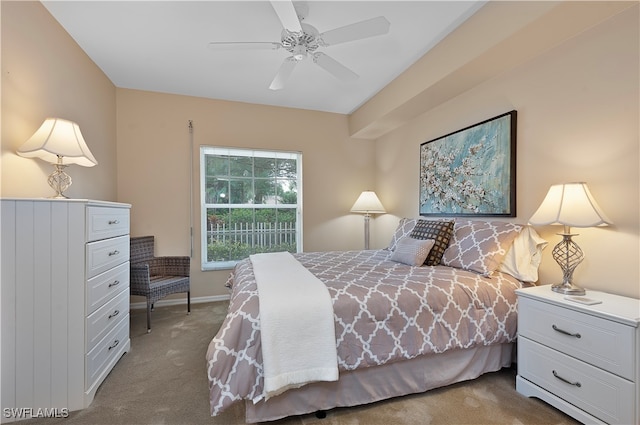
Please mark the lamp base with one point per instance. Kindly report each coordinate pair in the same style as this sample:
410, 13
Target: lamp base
59, 180
567, 289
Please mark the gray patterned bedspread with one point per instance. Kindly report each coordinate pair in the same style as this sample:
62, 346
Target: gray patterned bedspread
384, 312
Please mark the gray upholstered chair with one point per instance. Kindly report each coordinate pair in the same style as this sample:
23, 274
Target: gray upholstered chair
156, 277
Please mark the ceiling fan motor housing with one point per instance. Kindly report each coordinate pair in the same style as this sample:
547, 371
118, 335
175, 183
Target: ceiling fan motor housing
300, 44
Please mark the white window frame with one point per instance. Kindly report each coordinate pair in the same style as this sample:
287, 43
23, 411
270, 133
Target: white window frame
216, 150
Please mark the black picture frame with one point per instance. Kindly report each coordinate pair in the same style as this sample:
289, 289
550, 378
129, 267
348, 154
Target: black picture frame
472, 171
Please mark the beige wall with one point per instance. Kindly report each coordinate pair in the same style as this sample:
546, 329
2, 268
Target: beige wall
46, 74
578, 120
575, 88
154, 159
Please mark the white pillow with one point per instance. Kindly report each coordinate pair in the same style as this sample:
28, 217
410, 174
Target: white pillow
412, 252
523, 258
405, 226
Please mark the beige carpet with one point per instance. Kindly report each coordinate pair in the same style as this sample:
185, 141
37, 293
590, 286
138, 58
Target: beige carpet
163, 381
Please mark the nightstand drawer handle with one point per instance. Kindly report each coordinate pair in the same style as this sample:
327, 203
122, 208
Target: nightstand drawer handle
577, 384
114, 345
114, 283
112, 253
562, 331
114, 314
114, 221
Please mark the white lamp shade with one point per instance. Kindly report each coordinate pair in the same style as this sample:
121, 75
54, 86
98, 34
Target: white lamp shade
570, 204
55, 138
368, 203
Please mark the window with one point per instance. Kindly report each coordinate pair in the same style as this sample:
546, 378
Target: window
250, 204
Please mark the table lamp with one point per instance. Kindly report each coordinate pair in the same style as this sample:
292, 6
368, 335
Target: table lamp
571, 205
59, 142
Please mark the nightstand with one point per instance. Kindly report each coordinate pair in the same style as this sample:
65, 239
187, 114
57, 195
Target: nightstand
581, 359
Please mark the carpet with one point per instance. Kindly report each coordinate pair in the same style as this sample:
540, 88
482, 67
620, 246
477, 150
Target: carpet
163, 381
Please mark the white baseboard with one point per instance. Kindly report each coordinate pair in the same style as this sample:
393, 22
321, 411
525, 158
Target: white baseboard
197, 300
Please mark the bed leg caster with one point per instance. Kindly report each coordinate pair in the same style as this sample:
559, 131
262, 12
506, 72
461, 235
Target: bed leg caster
321, 414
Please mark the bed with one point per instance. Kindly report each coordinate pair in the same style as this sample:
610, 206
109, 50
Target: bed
436, 307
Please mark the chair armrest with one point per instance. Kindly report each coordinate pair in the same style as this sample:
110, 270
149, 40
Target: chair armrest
172, 266
139, 276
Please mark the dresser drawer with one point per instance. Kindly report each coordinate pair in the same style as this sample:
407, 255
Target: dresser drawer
600, 342
106, 222
103, 287
106, 350
106, 254
106, 317
602, 394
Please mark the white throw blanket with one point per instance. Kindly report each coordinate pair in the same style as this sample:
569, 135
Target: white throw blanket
296, 324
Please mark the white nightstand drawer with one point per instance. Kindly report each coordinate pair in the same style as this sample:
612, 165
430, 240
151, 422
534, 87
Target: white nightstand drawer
107, 349
105, 254
106, 222
106, 318
602, 394
604, 343
103, 287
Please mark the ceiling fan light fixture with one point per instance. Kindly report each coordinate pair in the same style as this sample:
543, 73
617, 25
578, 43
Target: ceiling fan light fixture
299, 52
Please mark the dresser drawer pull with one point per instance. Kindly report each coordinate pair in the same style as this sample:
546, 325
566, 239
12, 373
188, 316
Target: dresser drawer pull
114, 314
112, 253
114, 283
576, 384
114, 221
115, 344
562, 331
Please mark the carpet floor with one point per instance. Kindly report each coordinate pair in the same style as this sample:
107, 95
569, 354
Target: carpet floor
163, 381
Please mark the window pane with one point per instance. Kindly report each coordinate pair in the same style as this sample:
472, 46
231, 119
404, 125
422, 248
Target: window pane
241, 191
287, 192
265, 191
217, 191
287, 218
287, 168
265, 167
217, 247
241, 166
217, 165
272, 234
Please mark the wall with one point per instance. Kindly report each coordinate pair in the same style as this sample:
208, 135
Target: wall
154, 161
45, 73
578, 120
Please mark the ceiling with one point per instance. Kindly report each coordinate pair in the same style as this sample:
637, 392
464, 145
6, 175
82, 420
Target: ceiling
161, 46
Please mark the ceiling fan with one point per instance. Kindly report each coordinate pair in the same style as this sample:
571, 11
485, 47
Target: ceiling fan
303, 40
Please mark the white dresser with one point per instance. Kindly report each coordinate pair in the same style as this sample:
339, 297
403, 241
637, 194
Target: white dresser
65, 302
582, 359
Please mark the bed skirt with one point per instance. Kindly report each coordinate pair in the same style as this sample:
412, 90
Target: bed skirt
383, 382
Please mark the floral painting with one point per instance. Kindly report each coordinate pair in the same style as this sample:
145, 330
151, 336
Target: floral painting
471, 171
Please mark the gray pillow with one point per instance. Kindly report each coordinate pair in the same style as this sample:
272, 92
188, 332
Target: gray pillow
412, 251
439, 231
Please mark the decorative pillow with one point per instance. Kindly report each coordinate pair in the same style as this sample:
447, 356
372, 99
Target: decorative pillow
524, 256
440, 231
480, 246
412, 251
405, 226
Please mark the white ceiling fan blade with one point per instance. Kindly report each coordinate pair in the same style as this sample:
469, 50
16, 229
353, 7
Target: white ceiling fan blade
283, 73
241, 45
356, 31
287, 15
334, 67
